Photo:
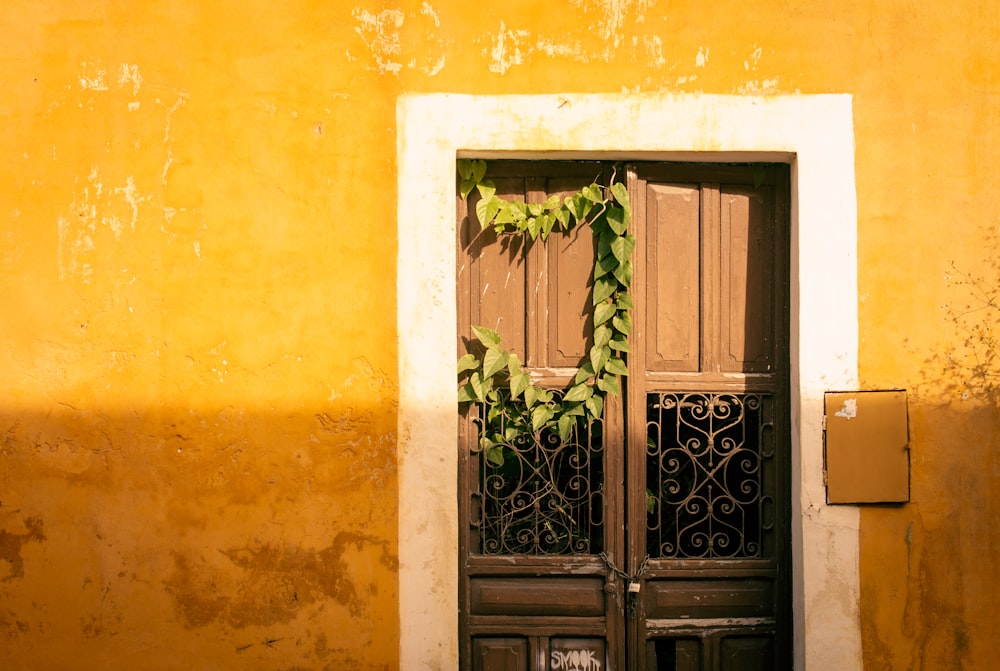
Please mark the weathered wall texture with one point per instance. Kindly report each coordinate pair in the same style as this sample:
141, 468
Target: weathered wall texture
197, 290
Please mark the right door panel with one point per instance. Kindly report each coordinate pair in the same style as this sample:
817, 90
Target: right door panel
707, 419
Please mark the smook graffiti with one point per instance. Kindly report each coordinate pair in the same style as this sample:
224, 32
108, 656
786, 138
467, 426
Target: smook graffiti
575, 660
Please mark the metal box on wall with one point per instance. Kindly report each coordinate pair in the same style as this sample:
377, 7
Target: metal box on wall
867, 447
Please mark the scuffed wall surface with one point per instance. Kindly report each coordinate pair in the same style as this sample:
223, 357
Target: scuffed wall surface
197, 342
197, 430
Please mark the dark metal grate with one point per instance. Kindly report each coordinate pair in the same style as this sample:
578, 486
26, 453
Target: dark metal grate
537, 495
709, 475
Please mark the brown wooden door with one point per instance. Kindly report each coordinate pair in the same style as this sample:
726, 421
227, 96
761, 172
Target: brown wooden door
656, 538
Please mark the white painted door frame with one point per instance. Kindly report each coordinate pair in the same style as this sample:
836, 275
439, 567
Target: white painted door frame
814, 133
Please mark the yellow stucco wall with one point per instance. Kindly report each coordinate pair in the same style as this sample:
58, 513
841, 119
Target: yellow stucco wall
197, 300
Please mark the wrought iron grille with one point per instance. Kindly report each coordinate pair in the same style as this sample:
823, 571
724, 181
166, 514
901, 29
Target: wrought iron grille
536, 494
709, 475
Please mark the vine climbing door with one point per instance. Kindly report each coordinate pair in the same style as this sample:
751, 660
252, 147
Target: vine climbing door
655, 537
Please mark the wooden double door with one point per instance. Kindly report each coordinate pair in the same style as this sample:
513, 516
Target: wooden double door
656, 538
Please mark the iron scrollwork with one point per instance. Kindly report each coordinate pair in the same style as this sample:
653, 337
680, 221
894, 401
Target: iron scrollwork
539, 495
709, 465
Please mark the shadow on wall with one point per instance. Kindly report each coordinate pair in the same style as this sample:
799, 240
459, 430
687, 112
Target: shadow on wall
929, 567
970, 369
176, 540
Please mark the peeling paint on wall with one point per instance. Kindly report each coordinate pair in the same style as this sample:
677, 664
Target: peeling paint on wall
11, 544
506, 49
756, 85
702, 58
266, 584
93, 77
129, 76
383, 37
380, 33
79, 230
612, 16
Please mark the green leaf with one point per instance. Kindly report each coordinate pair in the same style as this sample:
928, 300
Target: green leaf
504, 214
602, 334
546, 222
620, 192
465, 168
606, 239
486, 209
534, 227
620, 345
605, 265
623, 323
466, 187
513, 363
551, 204
592, 193
494, 408
624, 302
471, 169
598, 357
466, 393
603, 288
478, 386
486, 190
566, 424
539, 416
609, 384
478, 169
494, 361
623, 274
562, 215
578, 392
467, 362
622, 247
603, 312
651, 502
530, 395
586, 371
616, 366
487, 336
595, 404
616, 220
578, 206
519, 382
494, 455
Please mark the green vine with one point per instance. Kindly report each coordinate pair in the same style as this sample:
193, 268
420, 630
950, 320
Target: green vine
496, 379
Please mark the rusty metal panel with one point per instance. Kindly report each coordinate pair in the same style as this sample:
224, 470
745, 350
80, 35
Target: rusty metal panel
867, 447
